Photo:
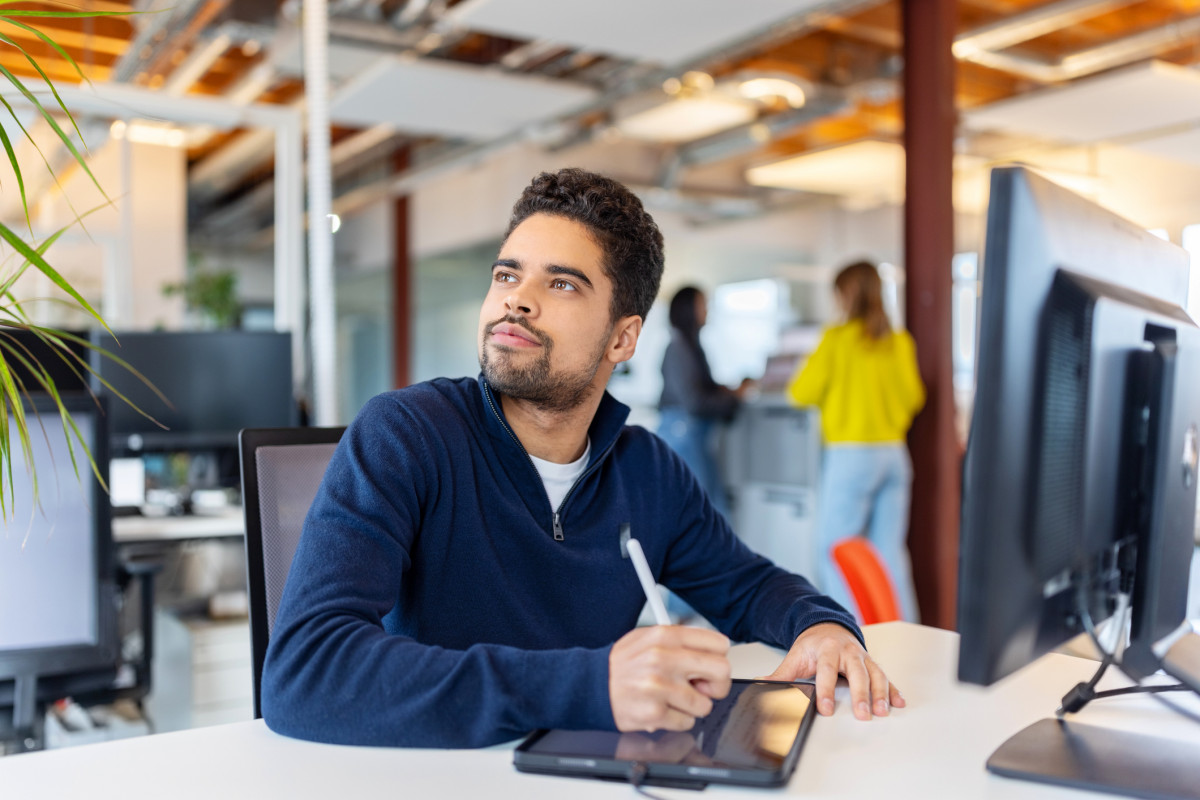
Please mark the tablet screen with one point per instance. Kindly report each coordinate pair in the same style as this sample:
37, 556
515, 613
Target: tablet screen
754, 727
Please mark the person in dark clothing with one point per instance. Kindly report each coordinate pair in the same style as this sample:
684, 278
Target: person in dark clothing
692, 403
460, 579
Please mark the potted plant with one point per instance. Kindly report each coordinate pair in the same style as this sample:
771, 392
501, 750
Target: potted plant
23, 252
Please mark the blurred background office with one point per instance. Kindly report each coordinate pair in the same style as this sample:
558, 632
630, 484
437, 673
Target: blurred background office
772, 140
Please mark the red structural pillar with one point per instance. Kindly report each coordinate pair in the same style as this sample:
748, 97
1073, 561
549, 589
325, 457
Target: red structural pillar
929, 123
401, 283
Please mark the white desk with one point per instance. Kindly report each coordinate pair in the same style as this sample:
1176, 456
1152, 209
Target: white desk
934, 748
128, 530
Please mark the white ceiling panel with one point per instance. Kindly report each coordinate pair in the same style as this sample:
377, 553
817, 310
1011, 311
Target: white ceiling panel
455, 100
662, 31
1184, 146
1127, 102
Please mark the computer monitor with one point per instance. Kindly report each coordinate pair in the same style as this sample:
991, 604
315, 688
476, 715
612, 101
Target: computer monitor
58, 618
1079, 483
66, 366
216, 382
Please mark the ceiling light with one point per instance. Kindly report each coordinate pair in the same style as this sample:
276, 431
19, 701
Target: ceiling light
863, 169
686, 118
700, 81
764, 88
672, 86
117, 129
140, 132
251, 47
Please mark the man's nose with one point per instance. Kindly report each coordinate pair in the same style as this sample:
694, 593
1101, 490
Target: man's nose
521, 301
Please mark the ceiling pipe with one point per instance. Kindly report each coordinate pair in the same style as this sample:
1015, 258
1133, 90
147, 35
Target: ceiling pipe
159, 62
209, 49
1030, 25
1123, 51
748, 137
343, 156
151, 36
198, 62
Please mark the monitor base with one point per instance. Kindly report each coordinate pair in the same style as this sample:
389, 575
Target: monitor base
1100, 759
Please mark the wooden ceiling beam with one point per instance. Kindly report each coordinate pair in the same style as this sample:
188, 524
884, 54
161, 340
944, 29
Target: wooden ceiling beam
55, 68
74, 42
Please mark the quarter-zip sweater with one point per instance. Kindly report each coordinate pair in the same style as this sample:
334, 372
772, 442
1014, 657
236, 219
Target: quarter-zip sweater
437, 600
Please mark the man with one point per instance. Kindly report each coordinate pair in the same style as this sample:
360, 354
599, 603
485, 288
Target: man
460, 580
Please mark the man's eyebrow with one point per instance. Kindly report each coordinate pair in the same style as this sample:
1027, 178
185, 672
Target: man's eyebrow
558, 269
506, 262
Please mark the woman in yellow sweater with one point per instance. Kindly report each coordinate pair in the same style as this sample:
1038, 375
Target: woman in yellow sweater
863, 377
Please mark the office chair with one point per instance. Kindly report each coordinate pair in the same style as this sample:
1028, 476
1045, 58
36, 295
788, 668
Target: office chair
868, 580
282, 469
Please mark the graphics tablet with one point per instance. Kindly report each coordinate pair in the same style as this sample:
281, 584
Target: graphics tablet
752, 737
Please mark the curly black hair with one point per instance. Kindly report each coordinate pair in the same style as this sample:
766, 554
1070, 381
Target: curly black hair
628, 235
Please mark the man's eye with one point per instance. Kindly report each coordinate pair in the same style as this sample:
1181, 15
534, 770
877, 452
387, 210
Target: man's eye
559, 283
504, 277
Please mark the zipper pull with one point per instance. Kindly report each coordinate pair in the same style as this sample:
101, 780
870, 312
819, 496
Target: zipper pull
558, 531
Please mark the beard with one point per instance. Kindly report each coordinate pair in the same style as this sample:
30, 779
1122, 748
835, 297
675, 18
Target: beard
536, 382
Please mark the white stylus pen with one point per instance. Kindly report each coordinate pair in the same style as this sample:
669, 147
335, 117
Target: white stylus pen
643, 572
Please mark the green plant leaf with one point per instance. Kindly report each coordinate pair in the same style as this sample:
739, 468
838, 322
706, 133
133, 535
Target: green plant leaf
38, 261
16, 167
6, 287
65, 55
13, 43
45, 161
53, 123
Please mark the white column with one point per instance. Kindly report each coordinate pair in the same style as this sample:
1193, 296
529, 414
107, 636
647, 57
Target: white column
320, 201
290, 274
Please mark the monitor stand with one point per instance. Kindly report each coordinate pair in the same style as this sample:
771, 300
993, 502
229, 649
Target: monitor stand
1080, 756
26, 721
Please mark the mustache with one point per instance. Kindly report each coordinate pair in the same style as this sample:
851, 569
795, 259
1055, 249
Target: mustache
522, 322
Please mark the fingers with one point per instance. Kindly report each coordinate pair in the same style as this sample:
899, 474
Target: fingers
859, 679
827, 674
879, 688
664, 677
825, 651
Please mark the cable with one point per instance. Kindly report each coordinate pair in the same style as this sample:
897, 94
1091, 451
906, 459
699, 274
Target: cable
1169, 687
637, 776
1083, 693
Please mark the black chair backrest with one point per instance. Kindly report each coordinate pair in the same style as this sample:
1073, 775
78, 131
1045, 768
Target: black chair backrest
282, 469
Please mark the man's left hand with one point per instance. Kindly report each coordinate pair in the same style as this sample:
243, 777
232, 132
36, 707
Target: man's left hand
827, 650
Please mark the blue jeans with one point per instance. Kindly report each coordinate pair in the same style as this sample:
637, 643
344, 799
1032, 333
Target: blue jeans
865, 491
692, 438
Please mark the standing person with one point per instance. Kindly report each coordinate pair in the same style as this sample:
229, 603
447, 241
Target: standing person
692, 403
460, 580
863, 377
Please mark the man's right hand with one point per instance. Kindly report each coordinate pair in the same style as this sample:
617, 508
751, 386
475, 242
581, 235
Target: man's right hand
665, 676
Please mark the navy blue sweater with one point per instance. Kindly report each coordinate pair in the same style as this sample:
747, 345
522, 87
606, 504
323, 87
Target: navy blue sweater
430, 604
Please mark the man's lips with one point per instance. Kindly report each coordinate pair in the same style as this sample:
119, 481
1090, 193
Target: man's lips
513, 336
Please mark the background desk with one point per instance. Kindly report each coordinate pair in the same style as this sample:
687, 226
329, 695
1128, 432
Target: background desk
129, 530
934, 748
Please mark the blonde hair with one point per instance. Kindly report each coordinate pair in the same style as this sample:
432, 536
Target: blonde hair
862, 293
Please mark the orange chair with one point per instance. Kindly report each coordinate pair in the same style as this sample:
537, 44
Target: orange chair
868, 580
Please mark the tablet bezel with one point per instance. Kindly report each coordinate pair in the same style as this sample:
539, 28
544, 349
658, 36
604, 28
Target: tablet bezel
665, 774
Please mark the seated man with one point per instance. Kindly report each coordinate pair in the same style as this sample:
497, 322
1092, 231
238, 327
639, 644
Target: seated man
460, 580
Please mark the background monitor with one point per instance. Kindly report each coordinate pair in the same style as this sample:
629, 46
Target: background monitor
1071, 293
57, 584
69, 374
217, 382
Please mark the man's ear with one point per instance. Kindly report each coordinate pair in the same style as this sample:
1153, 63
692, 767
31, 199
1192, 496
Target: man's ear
624, 339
